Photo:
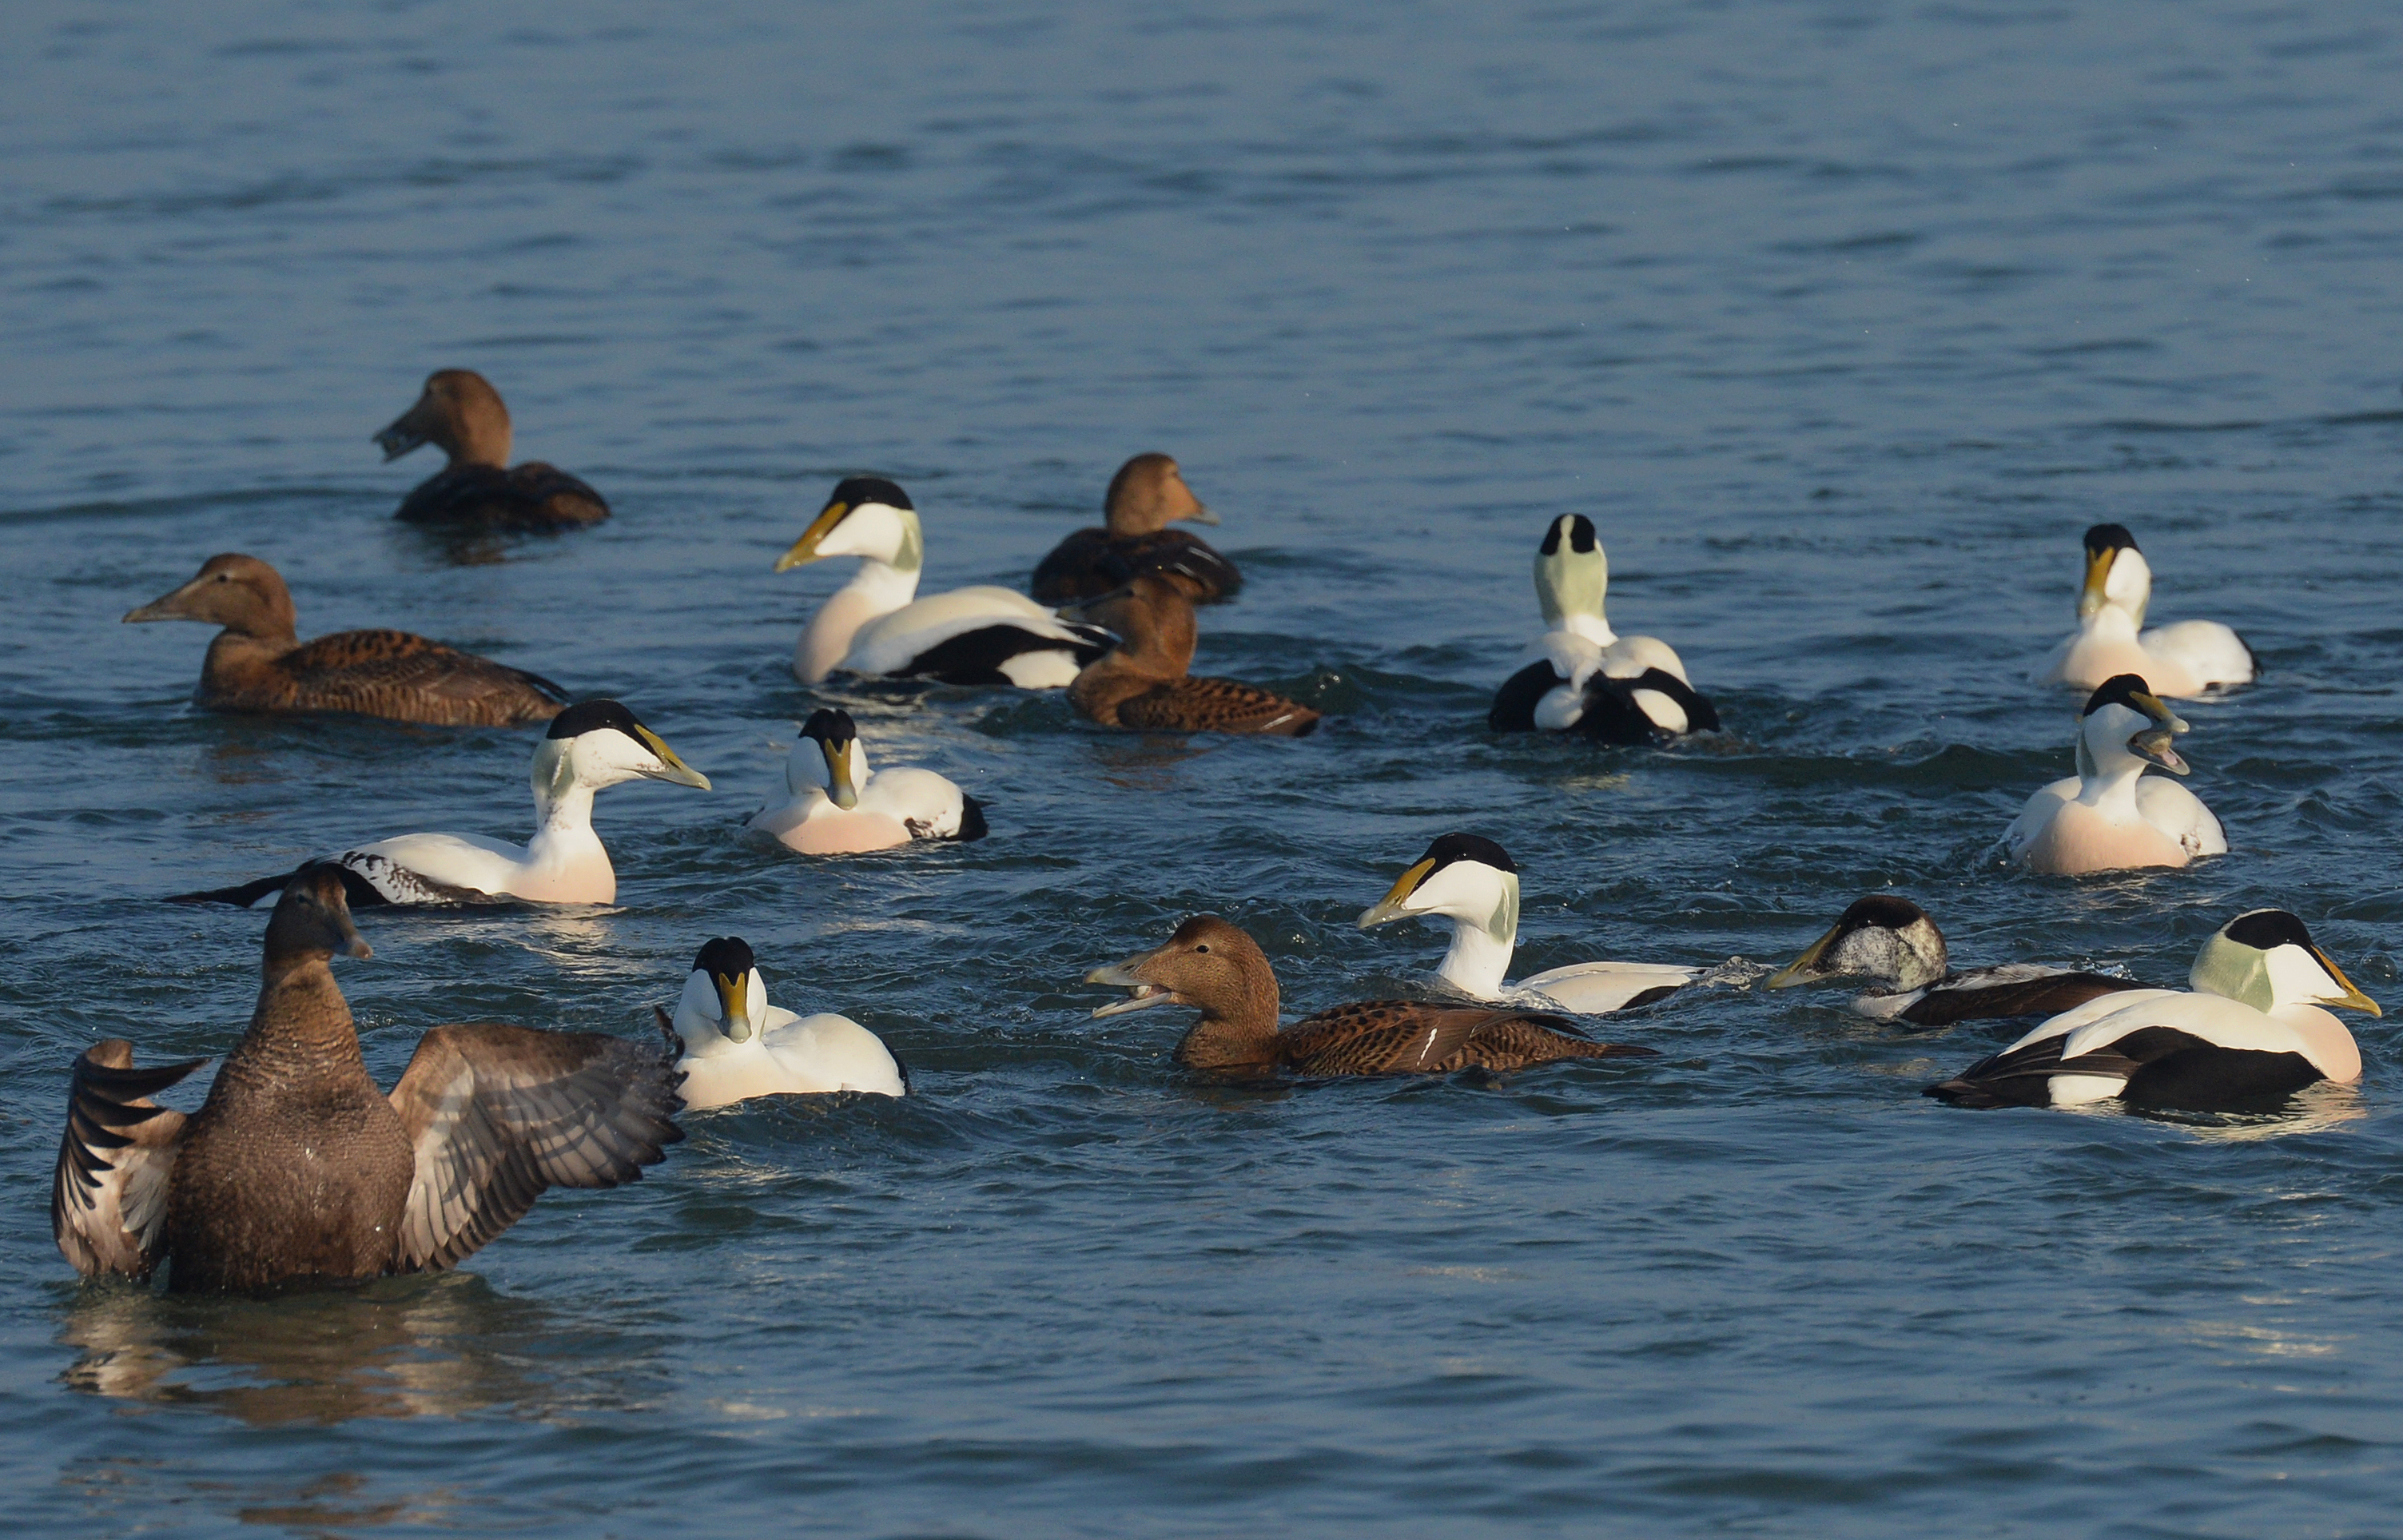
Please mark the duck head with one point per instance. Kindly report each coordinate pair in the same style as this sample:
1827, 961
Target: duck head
2117, 573
241, 593
1571, 573
866, 516
598, 743
1216, 969
1154, 622
724, 989
2265, 958
312, 919
458, 412
829, 756
1147, 494
1881, 937
1462, 877
2124, 720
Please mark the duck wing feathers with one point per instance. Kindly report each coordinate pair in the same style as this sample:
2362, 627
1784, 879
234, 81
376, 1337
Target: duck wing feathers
108, 1194
405, 678
1514, 703
1616, 711
2013, 990
1092, 563
530, 496
1411, 1037
1216, 705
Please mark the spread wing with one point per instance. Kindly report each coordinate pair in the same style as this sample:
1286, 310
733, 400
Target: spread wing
497, 1113
108, 1196
391, 673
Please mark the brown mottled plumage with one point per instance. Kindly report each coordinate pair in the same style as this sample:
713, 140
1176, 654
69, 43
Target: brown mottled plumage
1147, 494
1218, 970
460, 414
259, 663
1142, 682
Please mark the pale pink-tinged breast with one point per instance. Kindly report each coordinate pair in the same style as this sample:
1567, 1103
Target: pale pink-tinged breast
841, 833
2079, 839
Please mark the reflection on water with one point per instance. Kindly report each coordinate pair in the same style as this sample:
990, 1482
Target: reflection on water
2314, 1109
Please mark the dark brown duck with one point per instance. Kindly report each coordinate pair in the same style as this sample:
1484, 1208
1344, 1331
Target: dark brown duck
460, 414
1146, 496
1142, 682
259, 662
297, 1169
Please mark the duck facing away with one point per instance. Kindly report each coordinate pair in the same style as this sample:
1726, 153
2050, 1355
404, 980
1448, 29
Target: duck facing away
877, 625
591, 746
1146, 496
2249, 1032
1585, 678
1895, 944
1216, 969
2186, 659
297, 1169
460, 414
1143, 683
2111, 815
1471, 884
841, 807
259, 663
737, 1046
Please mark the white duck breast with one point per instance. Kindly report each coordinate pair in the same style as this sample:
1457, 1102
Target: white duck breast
2186, 658
841, 807
1581, 677
737, 1046
2112, 816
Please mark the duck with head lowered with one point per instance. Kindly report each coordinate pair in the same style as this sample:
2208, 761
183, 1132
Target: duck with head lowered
2186, 658
461, 414
840, 806
1144, 681
737, 1046
1581, 676
2111, 815
1895, 945
1146, 496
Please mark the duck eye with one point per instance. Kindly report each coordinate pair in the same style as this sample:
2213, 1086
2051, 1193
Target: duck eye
1204, 947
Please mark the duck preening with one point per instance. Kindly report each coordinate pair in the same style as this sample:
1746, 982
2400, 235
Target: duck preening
840, 806
2250, 1032
2186, 659
1582, 676
461, 414
259, 663
297, 1169
1142, 682
1893, 944
737, 1046
1216, 969
1146, 496
2111, 815
591, 745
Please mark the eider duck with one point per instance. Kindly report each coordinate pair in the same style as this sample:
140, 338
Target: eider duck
460, 414
1146, 496
257, 662
737, 1046
2186, 659
1221, 972
1893, 943
1472, 885
297, 1169
591, 745
1142, 682
840, 806
2111, 815
2248, 1034
1582, 676
876, 625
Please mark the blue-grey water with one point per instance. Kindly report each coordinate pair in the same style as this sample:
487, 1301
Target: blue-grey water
1842, 319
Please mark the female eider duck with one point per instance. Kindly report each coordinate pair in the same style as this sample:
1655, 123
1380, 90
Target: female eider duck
2186, 659
591, 745
1893, 943
1582, 676
2111, 815
2250, 1034
1221, 972
1472, 885
297, 1169
257, 662
737, 1046
876, 625
460, 414
1142, 682
1146, 496
840, 806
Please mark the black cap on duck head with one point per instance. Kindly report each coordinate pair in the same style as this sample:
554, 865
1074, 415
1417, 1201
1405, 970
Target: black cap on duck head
2129, 691
2263, 929
830, 726
1579, 529
592, 716
1881, 937
312, 917
2103, 537
726, 957
852, 491
1884, 910
1466, 847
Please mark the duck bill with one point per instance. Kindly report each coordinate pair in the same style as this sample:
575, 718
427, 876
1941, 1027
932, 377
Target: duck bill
1385, 910
2152, 746
1201, 515
671, 767
1142, 992
2098, 574
404, 433
2158, 709
1803, 969
805, 550
734, 1021
170, 607
2352, 999
839, 777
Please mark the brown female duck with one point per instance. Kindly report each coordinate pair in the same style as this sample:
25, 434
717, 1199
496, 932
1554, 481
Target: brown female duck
297, 1169
1221, 972
259, 663
460, 414
1146, 496
1142, 682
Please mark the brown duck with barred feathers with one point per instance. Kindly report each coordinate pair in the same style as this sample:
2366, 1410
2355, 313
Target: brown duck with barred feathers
1142, 682
1221, 972
1146, 496
460, 414
259, 663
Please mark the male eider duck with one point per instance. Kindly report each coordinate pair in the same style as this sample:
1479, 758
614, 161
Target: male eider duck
737, 1046
1221, 972
1472, 885
2186, 659
1146, 496
2111, 815
297, 1169
876, 625
461, 414
1893, 943
257, 662
591, 745
1142, 682
1585, 678
2250, 1034
840, 806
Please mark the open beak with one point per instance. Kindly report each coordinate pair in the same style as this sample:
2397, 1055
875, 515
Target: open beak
839, 780
1803, 969
805, 550
732, 999
1201, 515
404, 434
166, 607
2352, 999
2153, 747
671, 767
2098, 574
1389, 908
1141, 991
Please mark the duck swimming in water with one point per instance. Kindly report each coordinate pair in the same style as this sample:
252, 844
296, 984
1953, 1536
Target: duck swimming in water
2249, 1034
2186, 659
460, 414
591, 745
1582, 676
737, 1046
1146, 496
840, 806
257, 662
1221, 972
1471, 884
297, 1169
876, 625
1142, 682
2111, 815
1893, 943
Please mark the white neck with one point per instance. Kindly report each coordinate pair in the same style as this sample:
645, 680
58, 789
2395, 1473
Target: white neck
564, 838
1593, 628
2110, 623
1477, 962
2111, 789
875, 590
